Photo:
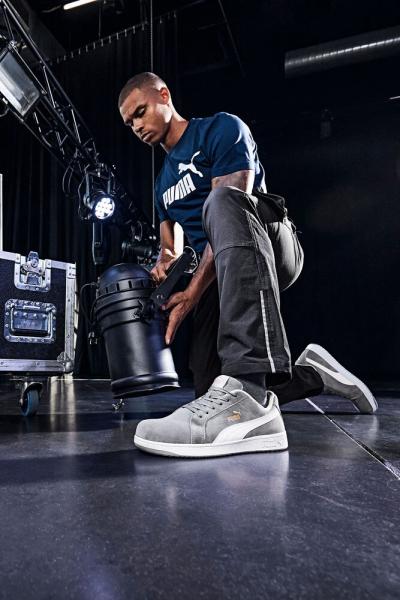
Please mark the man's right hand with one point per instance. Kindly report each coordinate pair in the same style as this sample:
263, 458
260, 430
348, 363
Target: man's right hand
159, 271
171, 244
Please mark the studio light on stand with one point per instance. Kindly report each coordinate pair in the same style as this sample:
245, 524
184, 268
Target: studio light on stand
17, 84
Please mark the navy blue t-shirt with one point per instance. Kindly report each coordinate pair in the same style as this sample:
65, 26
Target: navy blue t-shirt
209, 147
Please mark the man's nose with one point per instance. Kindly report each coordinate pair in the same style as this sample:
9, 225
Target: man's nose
137, 128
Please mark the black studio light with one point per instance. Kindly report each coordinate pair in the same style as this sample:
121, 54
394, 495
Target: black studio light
100, 194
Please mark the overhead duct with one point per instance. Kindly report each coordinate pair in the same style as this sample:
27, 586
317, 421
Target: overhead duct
346, 51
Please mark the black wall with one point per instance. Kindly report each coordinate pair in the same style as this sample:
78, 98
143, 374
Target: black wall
330, 144
343, 193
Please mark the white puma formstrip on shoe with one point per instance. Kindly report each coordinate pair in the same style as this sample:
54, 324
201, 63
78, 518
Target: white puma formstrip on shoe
336, 379
226, 420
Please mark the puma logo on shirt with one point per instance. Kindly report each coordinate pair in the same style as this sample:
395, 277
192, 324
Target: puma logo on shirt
190, 166
178, 191
184, 185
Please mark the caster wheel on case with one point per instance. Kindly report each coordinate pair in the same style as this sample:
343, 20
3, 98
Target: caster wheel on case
30, 399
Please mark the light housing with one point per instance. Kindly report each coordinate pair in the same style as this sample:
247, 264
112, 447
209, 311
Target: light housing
17, 87
99, 201
102, 206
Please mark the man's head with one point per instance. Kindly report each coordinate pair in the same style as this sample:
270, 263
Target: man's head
145, 106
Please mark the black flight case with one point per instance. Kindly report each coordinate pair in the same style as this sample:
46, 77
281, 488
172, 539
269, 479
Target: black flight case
37, 308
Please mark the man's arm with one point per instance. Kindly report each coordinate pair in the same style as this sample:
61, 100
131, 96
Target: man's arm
181, 303
243, 180
171, 243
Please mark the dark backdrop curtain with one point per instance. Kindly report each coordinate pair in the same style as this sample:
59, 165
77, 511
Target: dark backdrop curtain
343, 194
37, 216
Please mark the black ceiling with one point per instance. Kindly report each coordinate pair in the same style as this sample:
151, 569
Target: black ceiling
291, 23
248, 37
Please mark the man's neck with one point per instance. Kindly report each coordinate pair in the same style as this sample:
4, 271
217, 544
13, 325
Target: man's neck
175, 132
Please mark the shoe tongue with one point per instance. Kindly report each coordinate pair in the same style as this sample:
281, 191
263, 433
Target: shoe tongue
227, 383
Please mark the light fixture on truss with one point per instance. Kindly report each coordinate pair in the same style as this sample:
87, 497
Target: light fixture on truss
17, 85
99, 198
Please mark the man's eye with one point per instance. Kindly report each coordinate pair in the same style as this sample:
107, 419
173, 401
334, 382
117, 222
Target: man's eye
141, 112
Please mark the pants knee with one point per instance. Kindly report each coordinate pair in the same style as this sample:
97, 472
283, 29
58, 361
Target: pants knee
223, 199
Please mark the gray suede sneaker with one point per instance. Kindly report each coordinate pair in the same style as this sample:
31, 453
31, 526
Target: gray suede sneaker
336, 379
226, 420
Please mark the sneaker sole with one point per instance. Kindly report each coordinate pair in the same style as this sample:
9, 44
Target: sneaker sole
370, 405
261, 443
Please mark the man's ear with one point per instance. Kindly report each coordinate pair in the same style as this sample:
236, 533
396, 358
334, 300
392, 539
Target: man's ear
165, 95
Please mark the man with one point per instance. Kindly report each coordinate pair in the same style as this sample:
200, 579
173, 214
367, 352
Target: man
211, 183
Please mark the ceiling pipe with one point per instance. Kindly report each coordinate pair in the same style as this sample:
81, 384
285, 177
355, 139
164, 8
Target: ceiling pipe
346, 51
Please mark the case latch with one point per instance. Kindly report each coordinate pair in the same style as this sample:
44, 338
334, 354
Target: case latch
32, 273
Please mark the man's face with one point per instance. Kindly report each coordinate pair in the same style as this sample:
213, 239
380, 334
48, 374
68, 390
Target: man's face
147, 113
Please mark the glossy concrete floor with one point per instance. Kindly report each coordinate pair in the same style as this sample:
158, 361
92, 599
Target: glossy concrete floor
84, 515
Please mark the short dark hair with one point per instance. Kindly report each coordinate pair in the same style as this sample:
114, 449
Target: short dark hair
139, 81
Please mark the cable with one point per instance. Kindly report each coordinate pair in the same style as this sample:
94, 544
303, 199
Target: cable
81, 207
50, 10
81, 303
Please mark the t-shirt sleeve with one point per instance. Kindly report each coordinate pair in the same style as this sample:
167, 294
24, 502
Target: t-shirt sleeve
229, 145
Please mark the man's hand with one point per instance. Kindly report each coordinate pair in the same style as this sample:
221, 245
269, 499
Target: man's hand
179, 305
171, 242
159, 271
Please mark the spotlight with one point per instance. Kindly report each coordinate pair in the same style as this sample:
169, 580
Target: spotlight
16, 85
98, 203
103, 207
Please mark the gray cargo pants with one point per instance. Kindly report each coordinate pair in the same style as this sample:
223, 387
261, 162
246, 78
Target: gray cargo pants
256, 256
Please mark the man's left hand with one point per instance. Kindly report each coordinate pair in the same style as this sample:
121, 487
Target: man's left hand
179, 305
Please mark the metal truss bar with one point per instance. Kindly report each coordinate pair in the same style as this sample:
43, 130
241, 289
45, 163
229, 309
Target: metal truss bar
54, 99
58, 126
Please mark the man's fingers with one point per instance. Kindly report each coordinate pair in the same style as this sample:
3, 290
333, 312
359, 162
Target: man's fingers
155, 274
173, 323
180, 307
158, 274
172, 301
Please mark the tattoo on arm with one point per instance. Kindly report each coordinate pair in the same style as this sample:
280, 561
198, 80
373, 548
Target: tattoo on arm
243, 180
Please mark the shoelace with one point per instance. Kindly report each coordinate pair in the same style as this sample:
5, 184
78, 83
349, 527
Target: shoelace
204, 404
